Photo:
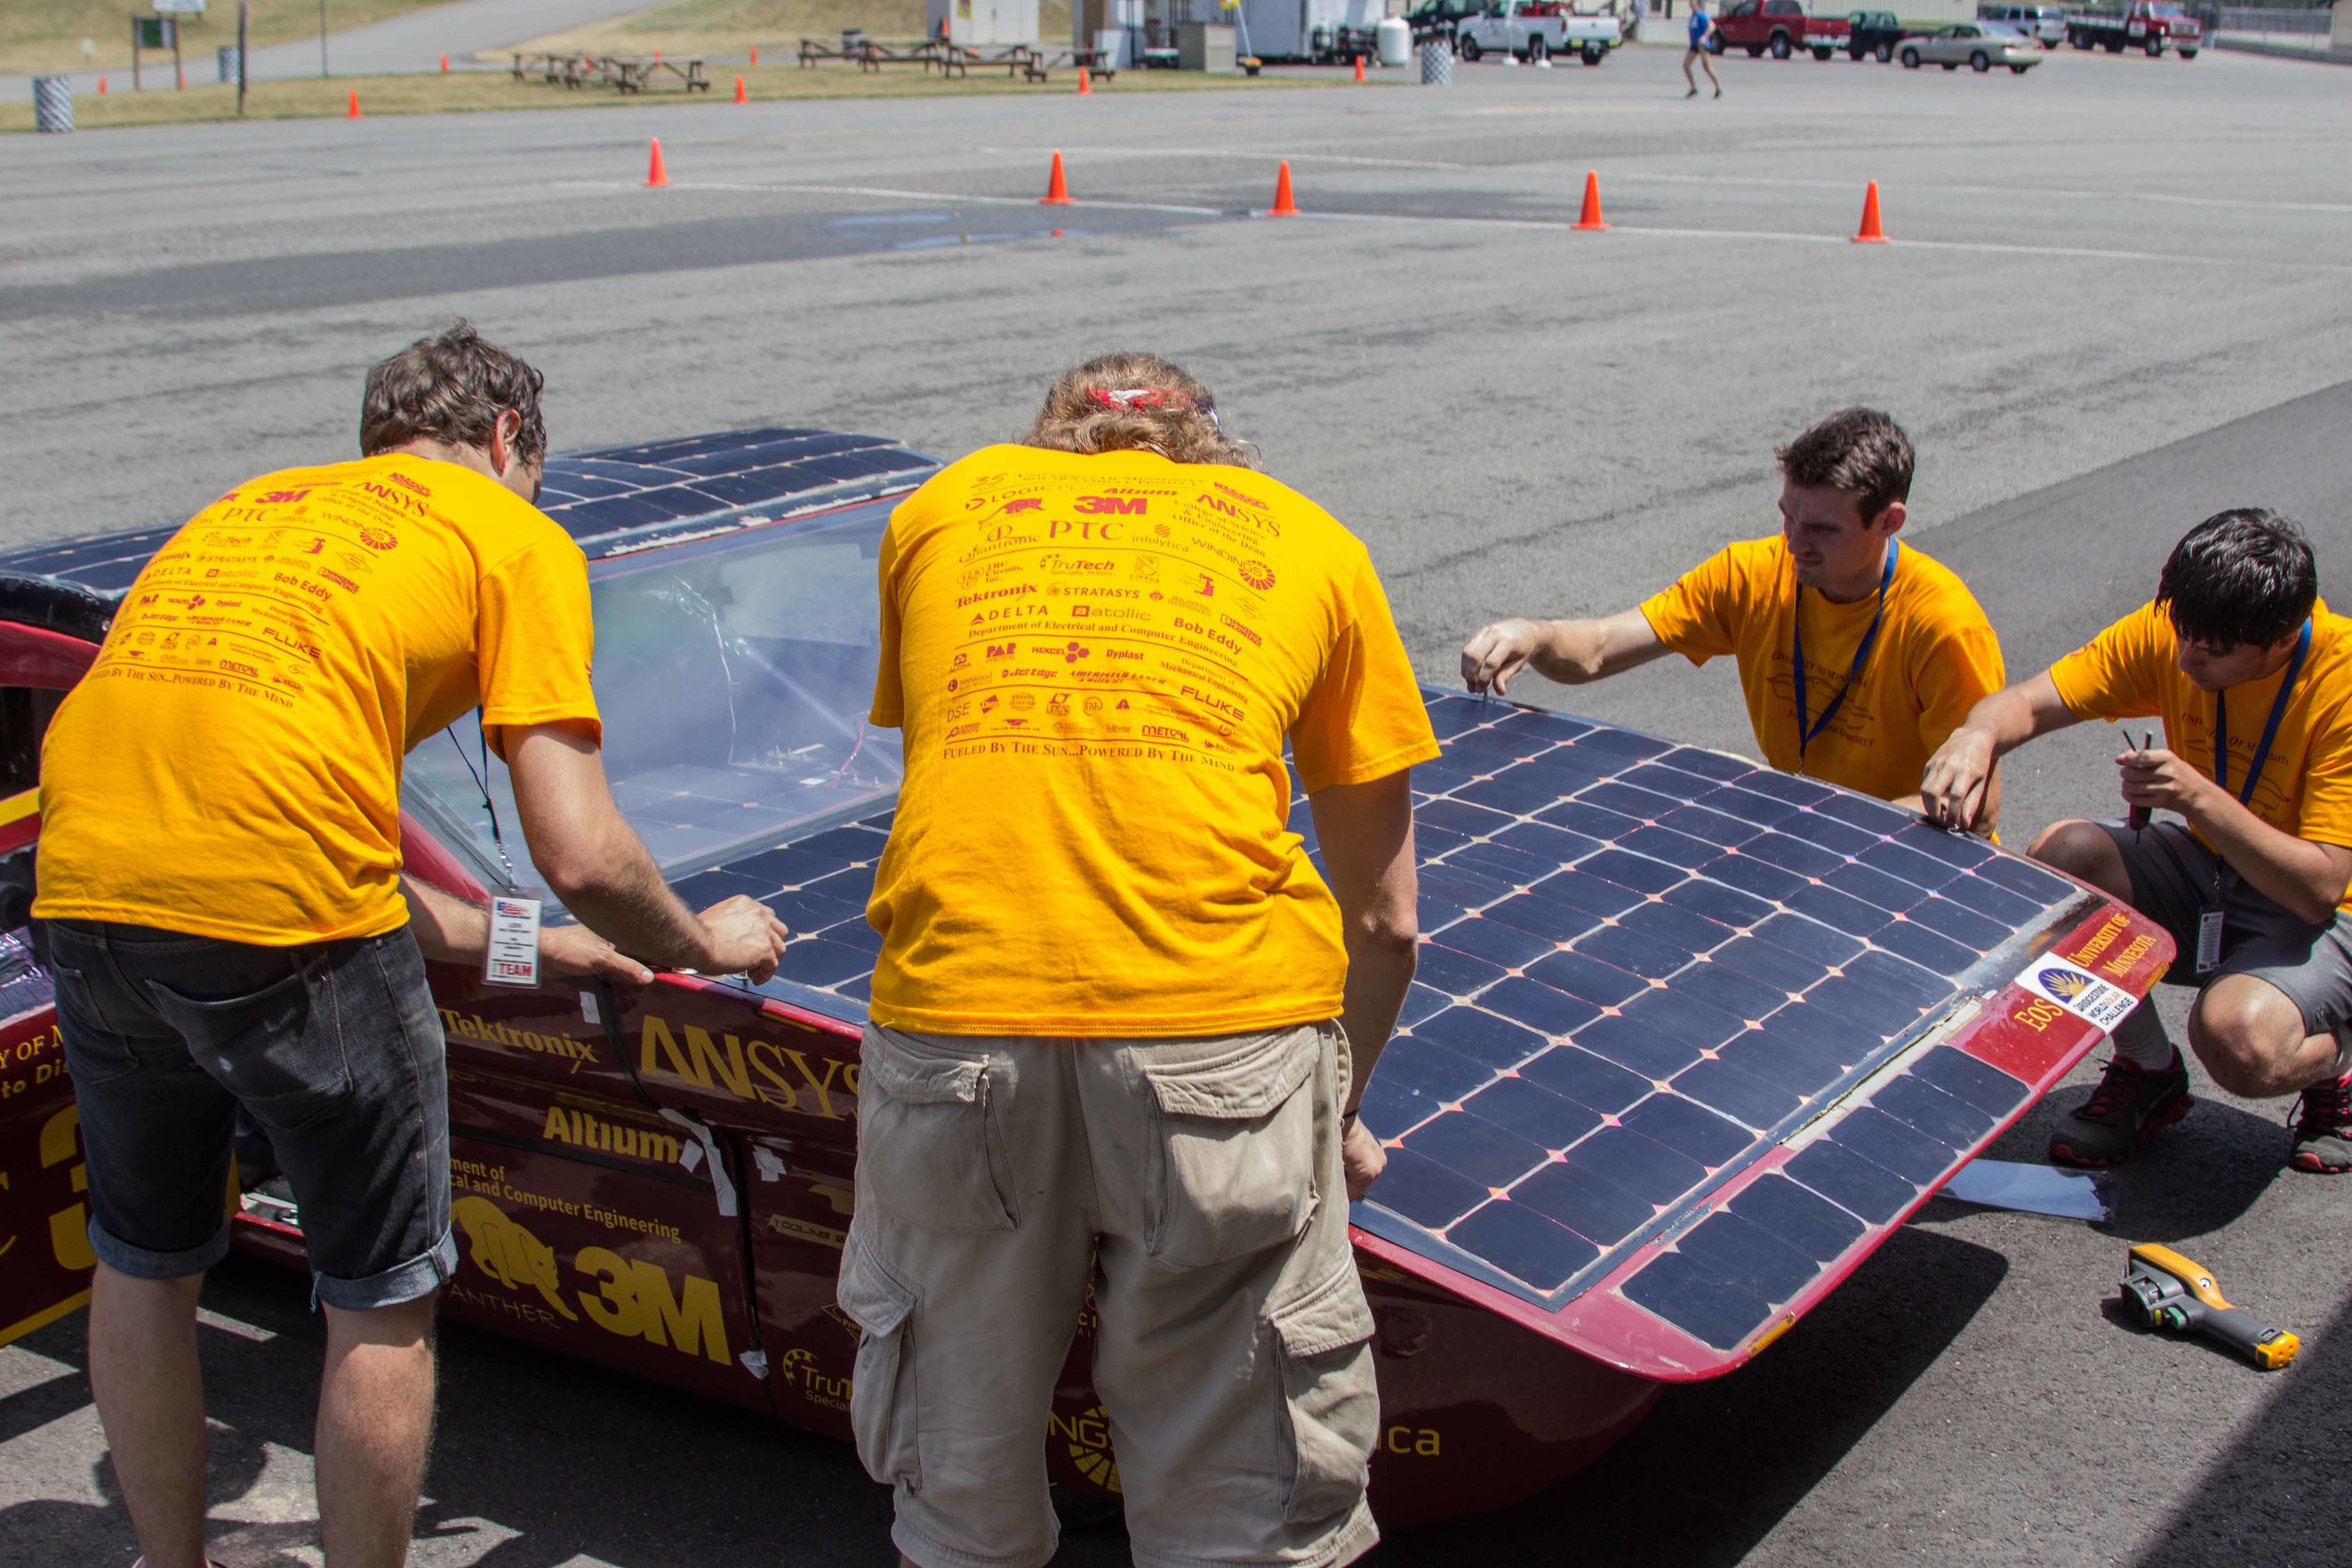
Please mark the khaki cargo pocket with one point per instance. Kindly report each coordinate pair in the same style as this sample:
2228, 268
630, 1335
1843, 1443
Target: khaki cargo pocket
882, 1389
928, 1145
1236, 1145
1323, 1343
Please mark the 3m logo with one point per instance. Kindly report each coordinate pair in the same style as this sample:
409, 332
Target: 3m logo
1131, 506
279, 498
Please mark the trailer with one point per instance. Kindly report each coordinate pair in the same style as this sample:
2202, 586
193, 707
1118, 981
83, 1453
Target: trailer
1315, 32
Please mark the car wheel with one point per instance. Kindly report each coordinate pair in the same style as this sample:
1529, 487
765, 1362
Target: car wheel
1855, 54
1821, 54
1755, 50
1951, 65
1468, 49
1781, 50
1979, 62
2017, 71
2155, 47
1887, 52
1592, 54
1537, 51
1911, 59
2188, 54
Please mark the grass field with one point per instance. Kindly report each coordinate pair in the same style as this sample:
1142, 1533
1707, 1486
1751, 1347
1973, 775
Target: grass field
461, 91
729, 28
46, 35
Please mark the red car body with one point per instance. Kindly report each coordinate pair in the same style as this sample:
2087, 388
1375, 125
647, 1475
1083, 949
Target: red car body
659, 1180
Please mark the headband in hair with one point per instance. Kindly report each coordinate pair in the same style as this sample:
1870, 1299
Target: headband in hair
1129, 399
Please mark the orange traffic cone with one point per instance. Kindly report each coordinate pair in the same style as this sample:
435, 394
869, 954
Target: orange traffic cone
179, 76
755, 54
352, 111
102, 85
1589, 217
1359, 68
657, 56
657, 173
1283, 206
445, 65
740, 96
1057, 187
1871, 232
1085, 84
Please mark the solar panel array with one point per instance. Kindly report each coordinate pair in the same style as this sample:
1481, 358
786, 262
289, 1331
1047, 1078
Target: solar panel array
817, 886
618, 499
611, 499
1643, 964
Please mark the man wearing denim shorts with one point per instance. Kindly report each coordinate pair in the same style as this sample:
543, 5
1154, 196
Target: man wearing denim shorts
1119, 1023
222, 905
2251, 675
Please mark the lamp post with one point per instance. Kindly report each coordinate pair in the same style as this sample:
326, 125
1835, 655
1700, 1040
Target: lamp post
323, 37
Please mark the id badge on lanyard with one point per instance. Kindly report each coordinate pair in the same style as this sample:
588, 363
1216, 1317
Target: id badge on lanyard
2210, 921
2209, 924
514, 956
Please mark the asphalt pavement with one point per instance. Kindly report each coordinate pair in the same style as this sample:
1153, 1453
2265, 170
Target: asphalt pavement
2116, 302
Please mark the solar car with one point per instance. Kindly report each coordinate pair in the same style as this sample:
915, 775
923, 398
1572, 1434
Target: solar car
1690, 1038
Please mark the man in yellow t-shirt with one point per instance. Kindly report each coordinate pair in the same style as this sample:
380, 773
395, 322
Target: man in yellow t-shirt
1858, 654
221, 902
1119, 1021
2251, 675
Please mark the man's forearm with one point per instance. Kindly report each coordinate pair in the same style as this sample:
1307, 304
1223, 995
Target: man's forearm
1570, 653
1379, 971
631, 905
445, 925
2298, 875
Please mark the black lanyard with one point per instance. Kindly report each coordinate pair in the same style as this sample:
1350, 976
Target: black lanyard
1861, 655
2270, 730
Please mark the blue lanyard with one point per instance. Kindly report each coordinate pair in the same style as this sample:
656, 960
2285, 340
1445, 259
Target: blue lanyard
1861, 655
2270, 730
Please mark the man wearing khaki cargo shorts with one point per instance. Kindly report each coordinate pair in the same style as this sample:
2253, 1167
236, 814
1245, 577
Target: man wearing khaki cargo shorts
1119, 1023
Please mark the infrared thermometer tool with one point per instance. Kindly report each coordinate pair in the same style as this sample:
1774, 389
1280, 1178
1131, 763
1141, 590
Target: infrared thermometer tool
2166, 1292
2137, 818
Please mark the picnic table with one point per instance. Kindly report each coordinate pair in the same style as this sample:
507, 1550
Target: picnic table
623, 72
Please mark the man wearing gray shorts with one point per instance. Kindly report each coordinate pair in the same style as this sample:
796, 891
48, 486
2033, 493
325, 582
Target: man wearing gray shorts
2250, 675
1119, 1023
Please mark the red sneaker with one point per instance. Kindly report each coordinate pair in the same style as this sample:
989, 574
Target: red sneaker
2130, 1102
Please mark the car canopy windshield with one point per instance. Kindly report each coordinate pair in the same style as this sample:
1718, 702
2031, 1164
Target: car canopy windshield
733, 677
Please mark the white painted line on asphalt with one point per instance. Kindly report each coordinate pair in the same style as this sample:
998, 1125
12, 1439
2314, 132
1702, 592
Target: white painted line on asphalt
2006, 191
892, 194
1215, 152
1563, 224
210, 1319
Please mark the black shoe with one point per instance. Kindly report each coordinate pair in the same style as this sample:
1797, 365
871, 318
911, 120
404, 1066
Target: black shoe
2323, 1132
2130, 1102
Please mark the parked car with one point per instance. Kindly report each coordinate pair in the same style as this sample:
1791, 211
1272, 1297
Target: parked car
2150, 26
1690, 1039
1979, 45
2044, 25
1873, 34
1780, 27
1437, 19
1535, 31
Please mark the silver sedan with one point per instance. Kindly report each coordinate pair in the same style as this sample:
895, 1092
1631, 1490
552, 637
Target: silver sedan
1980, 45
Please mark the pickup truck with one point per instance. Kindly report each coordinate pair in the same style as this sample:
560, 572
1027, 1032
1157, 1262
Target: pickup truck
1871, 33
1780, 26
2148, 25
1533, 31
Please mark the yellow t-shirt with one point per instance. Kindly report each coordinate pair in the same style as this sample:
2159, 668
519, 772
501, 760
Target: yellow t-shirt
1935, 656
2130, 670
231, 764
1096, 661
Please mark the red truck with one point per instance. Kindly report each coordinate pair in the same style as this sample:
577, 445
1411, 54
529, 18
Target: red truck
1781, 27
2149, 26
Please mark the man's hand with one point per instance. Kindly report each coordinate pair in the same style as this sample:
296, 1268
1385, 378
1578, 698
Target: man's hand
2162, 781
1364, 1158
742, 934
1500, 651
1951, 792
577, 952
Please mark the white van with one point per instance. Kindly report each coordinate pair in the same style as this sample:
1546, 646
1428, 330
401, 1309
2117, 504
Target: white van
2045, 24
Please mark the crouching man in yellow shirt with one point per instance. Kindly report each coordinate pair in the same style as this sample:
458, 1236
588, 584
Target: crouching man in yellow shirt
1858, 655
2253, 677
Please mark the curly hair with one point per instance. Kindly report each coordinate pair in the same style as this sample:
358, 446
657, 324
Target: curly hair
1136, 403
450, 387
1859, 450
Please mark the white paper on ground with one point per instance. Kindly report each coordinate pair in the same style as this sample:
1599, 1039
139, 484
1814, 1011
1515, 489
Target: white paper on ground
2030, 1189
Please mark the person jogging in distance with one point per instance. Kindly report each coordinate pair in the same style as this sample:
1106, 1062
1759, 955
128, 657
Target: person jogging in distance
2251, 675
1857, 652
1702, 28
